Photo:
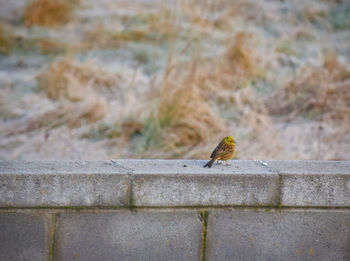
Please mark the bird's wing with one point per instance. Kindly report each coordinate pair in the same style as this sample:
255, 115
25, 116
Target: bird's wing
224, 153
219, 149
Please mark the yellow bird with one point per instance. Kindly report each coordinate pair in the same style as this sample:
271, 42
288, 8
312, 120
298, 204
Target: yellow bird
224, 151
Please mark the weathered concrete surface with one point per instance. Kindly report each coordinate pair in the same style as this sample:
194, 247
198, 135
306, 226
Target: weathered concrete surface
24, 237
189, 190
18, 167
63, 183
155, 228
195, 167
314, 183
316, 190
170, 183
303, 167
187, 183
288, 235
129, 235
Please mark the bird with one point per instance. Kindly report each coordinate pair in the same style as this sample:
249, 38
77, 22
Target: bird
225, 150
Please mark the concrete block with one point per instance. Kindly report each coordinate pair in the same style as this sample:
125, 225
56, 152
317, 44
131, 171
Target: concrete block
303, 167
278, 235
316, 190
195, 167
17, 167
24, 237
129, 235
169, 183
62, 184
198, 190
314, 183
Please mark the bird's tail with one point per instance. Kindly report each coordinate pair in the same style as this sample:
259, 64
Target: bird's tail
210, 163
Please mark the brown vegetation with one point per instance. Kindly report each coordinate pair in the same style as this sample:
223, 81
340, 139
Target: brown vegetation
236, 67
245, 68
183, 113
50, 46
72, 115
77, 86
6, 41
72, 80
321, 92
49, 13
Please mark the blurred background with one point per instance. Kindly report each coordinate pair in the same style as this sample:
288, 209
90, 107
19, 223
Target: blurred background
105, 79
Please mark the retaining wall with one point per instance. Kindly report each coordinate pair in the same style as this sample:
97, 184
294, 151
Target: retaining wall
174, 210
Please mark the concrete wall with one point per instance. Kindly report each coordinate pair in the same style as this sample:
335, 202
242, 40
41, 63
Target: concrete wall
174, 210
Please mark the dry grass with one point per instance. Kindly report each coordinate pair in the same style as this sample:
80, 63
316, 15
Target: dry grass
131, 127
214, 83
156, 28
71, 80
6, 41
236, 67
99, 37
49, 13
92, 110
240, 58
71, 114
78, 88
50, 46
185, 117
210, 14
47, 46
321, 92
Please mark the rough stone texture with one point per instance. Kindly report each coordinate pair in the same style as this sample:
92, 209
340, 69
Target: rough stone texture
282, 235
302, 167
66, 183
23, 237
316, 190
16, 167
169, 183
314, 183
173, 233
194, 167
129, 235
187, 183
198, 190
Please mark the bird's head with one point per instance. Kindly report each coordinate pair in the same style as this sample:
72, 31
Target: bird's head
230, 140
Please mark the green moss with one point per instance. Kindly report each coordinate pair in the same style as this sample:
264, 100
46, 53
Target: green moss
131, 196
279, 196
52, 237
204, 218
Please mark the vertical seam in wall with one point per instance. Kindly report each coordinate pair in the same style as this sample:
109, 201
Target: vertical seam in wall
204, 232
280, 183
280, 191
131, 202
280, 186
52, 237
